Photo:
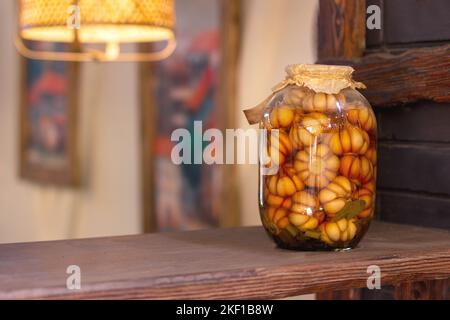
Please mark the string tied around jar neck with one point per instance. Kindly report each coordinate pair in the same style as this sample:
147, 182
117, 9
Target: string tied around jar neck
328, 79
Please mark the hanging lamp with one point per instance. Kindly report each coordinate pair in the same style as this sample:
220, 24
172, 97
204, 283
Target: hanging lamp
90, 23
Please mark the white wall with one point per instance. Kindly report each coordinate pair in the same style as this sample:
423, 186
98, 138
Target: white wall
14, 206
109, 133
276, 33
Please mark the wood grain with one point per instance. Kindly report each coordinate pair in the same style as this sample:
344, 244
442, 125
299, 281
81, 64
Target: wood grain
221, 263
417, 74
341, 29
350, 294
422, 290
396, 79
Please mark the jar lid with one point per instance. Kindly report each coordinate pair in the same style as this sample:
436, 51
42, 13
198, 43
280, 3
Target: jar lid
320, 78
317, 77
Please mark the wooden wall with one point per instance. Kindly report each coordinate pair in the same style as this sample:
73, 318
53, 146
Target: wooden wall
414, 164
414, 137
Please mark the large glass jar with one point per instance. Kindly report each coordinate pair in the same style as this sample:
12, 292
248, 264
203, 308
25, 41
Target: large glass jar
318, 165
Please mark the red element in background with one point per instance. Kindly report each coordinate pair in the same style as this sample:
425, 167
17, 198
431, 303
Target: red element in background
50, 82
198, 96
206, 42
163, 147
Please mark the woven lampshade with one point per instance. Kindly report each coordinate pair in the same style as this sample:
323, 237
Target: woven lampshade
102, 21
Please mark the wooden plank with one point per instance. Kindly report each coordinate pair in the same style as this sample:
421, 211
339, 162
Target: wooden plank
341, 30
439, 289
418, 74
419, 167
395, 79
385, 293
413, 208
404, 291
409, 21
422, 290
222, 263
422, 121
350, 294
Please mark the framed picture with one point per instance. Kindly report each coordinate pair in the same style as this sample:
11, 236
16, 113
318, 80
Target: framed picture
197, 83
48, 113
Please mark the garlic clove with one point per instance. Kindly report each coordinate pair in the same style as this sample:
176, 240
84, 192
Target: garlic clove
332, 231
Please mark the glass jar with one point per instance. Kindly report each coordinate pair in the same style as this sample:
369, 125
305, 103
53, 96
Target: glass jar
318, 165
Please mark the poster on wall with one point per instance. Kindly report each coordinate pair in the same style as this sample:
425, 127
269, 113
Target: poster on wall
191, 86
48, 119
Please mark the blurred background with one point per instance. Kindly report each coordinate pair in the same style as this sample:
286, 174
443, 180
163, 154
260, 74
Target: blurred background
116, 189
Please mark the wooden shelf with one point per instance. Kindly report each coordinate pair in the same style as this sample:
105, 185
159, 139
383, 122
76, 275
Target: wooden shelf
218, 263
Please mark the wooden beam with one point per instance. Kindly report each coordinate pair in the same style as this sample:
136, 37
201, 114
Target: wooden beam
417, 74
342, 28
422, 290
350, 294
